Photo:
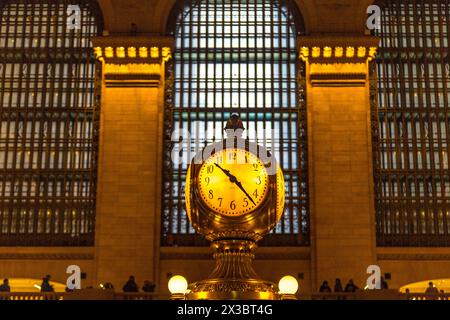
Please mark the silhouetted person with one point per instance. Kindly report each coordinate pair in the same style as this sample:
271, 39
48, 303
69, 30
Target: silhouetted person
131, 285
148, 286
46, 286
384, 284
5, 286
325, 287
338, 286
431, 289
350, 287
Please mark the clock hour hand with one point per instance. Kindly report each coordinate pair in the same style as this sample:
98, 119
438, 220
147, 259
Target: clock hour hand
234, 180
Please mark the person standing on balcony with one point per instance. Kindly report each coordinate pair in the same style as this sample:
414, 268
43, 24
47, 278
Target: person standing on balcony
338, 285
5, 286
350, 287
325, 287
131, 285
431, 288
148, 286
46, 286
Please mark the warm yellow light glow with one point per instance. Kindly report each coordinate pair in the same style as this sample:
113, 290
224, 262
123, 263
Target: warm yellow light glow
32, 285
109, 52
372, 52
133, 68
420, 287
143, 52
350, 52
315, 52
120, 51
361, 52
166, 53
333, 68
339, 52
288, 285
98, 52
132, 52
327, 52
304, 51
154, 52
178, 284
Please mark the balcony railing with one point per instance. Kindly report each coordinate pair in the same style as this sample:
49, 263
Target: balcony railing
111, 295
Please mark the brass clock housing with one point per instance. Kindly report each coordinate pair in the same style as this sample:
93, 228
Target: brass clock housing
216, 225
234, 234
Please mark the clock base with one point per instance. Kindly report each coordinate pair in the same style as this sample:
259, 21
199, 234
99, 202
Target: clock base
233, 277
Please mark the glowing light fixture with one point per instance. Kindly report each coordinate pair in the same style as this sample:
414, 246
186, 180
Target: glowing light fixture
361, 52
288, 287
132, 52
339, 52
304, 51
327, 52
178, 286
109, 52
120, 51
315, 52
154, 52
350, 52
143, 52
98, 52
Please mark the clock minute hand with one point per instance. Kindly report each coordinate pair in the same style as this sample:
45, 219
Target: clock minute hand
239, 184
234, 180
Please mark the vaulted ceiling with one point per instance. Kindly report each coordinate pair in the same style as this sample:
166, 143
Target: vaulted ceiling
151, 16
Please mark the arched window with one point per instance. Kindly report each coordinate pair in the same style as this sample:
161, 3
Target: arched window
411, 125
49, 122
236, 56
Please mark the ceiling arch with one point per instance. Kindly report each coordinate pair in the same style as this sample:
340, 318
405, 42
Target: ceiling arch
151, 16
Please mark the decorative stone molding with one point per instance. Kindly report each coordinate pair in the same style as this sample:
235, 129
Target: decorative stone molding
413, 256
264, 253
337, 61
46, 256
133, 61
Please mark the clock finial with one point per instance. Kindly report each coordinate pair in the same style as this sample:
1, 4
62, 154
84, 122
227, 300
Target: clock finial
234, 126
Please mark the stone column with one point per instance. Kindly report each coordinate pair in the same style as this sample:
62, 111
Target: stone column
340, 157
127, 226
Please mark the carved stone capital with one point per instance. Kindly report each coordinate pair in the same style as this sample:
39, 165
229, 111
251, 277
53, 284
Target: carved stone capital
133, 61
337, 61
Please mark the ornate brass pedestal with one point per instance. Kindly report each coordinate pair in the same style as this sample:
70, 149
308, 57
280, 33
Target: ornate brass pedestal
234, 235
233, 277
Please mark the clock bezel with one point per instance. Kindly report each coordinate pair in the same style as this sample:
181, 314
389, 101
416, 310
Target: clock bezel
218, 216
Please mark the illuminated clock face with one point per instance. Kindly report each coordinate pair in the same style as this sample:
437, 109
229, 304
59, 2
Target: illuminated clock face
233, 182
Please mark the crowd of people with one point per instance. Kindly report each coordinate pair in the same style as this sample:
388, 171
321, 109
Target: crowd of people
149, 287
352, 287
129, 286
349, 287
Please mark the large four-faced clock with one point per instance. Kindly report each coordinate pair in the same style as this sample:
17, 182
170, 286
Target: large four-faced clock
234, 188
233, 182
